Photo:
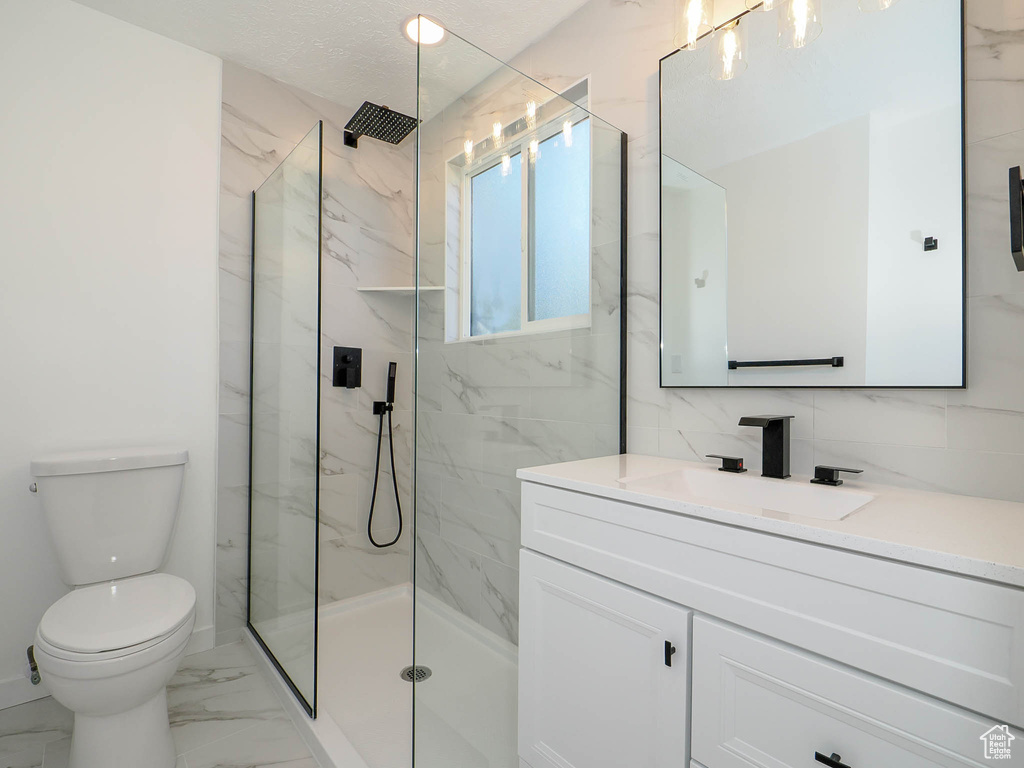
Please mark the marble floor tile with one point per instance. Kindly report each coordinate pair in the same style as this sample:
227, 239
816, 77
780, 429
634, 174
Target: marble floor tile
216, 694
222, 712
275, 743
30, 758
28, 727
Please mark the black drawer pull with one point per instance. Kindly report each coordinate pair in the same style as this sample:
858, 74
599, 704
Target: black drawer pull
833, 760
669, 650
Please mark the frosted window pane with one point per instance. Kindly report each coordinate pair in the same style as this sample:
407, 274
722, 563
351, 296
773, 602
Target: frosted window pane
560, 274
496, 298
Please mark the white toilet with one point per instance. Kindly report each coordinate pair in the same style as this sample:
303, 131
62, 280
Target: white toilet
108, 648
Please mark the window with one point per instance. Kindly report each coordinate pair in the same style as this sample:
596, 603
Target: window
526, 243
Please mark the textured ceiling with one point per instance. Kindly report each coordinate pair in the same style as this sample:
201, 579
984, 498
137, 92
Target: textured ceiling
344, 50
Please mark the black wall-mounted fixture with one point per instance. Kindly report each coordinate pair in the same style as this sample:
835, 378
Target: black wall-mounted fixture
1017, 218
834, 362
774, 443
348, 367
931, 244
379, 123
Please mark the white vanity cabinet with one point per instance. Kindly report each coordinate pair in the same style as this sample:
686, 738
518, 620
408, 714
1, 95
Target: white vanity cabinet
605, 682
798, 655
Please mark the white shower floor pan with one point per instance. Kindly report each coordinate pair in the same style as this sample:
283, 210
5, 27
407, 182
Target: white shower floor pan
465, 712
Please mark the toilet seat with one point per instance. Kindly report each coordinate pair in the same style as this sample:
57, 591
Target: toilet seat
117, 618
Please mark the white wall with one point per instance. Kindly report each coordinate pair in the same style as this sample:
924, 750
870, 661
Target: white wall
798, 216
108, 296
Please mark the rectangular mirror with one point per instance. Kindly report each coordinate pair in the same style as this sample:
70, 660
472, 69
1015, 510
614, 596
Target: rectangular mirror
812, 206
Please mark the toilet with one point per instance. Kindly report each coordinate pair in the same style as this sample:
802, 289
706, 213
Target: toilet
108, 648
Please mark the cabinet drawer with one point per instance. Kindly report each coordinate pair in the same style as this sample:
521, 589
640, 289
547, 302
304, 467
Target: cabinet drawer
760, 703
952, 637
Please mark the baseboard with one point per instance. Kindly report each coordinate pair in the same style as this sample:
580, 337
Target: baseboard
323, 737
19, 690
203, 639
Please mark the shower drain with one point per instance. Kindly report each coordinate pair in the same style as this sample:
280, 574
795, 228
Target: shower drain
416, 674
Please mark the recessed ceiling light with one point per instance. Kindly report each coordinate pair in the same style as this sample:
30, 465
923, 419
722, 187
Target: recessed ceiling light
421, 29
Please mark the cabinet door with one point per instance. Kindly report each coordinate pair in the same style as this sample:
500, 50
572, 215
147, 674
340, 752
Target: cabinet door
599, 683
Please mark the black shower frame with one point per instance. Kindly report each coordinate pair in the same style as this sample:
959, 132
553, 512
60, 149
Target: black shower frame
309, 707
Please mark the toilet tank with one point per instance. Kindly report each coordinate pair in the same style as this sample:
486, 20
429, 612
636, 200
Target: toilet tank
110, 513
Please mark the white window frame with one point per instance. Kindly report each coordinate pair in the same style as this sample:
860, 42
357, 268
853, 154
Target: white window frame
520, 145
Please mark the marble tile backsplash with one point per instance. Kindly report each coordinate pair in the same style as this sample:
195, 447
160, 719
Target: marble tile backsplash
967, 442
367, 240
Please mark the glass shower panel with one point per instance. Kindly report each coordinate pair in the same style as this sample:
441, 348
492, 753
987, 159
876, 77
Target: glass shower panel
284, 413
543, 387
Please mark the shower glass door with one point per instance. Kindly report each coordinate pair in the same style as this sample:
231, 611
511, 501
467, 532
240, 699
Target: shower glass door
284, 416
520, 253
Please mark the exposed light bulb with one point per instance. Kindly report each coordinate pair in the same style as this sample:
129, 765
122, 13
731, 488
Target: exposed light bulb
694, 21
531, 114
729, 58
506, 164
467, 149
799, 22
567, 133
496, 134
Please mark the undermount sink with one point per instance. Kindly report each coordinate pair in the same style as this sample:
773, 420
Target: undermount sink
706, 485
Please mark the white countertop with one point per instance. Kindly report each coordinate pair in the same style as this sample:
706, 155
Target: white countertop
972, 536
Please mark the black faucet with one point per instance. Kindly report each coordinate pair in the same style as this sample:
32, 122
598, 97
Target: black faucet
774, 443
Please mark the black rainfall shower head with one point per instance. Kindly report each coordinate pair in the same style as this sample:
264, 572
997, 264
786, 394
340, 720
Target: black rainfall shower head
378, 123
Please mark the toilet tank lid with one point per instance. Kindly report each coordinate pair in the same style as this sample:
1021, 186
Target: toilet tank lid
107, 460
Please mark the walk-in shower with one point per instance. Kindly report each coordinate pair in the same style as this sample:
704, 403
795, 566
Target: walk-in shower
486, 304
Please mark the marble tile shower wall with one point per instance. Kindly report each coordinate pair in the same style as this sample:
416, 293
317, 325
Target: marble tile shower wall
367, 241
489, 407
966, 442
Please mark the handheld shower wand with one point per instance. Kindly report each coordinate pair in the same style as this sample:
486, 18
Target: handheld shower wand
382, 409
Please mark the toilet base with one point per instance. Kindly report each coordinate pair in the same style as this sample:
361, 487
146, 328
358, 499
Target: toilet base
138, 737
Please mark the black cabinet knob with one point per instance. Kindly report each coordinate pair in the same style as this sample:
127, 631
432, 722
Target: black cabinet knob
833, 760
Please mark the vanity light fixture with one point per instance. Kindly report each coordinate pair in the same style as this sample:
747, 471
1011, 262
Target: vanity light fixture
799, 22
694, 21
420, 29
467, 149
531, 115
506, 164
497, 136
534, 150
567, 133
876, 5
729, 57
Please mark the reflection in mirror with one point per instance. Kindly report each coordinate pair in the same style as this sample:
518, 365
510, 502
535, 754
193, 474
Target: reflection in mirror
812, 206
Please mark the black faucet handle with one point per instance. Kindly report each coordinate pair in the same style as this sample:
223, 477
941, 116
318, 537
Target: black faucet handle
824, 475
762, 421
729, 463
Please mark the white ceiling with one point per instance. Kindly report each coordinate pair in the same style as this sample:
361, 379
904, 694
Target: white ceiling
343, 50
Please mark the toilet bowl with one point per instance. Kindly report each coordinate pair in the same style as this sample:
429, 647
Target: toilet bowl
107, 652
108, 648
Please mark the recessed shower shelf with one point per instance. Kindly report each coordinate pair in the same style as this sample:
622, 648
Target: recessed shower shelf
399, 289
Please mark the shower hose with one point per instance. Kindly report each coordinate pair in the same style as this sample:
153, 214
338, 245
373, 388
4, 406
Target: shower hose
394, 479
